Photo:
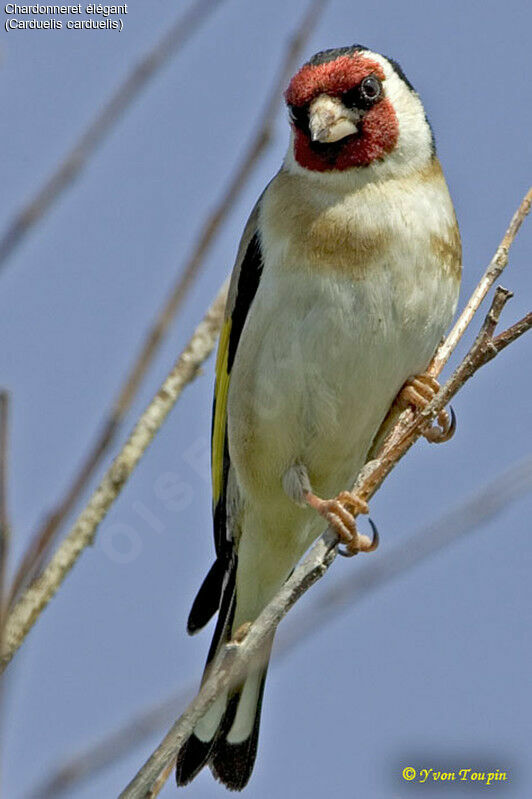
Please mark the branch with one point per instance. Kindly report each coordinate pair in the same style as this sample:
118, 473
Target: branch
46, 534
234, 662
465, 518
236, 658
23, 616
4, 514
497, 264
101, 126
403, 436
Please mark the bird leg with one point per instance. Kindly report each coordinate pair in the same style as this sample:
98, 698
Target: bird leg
340, 513
418, 392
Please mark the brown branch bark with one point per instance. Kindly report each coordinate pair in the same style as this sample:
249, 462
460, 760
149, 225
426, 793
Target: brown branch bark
4, 513
466, 518
396, 424
403, 437
23, 616
44, 537
69, 169
494, 270
236, 658
233, 663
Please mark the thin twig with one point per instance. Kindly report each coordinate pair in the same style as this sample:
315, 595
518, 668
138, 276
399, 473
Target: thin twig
234, 661
467, 517
395, 425
46, 534
513, 332
492, 273
236, 658
99, 128
4, 530
4, 513
401, 439
34, 600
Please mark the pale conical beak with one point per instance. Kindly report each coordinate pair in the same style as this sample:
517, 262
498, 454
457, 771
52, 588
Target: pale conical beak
329, 120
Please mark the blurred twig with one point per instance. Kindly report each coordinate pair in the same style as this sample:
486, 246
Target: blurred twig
45, 535
4, 514
109, 748
465, 518
237, 657
103, 123
23, 616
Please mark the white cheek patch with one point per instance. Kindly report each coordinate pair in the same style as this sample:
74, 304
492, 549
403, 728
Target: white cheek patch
414, 143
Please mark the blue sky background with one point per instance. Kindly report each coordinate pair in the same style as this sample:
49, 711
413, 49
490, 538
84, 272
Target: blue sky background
432, 670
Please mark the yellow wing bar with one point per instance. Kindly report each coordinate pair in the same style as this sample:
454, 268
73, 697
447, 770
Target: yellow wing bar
220, 412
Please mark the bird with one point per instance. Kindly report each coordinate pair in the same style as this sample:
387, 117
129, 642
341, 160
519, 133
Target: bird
346, 278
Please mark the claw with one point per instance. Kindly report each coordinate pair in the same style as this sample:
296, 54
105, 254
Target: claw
346, 552
336, 514
446, 429
418, 392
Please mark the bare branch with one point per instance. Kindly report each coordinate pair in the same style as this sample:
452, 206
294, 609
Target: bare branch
45, 535
512, 333
396, 424
98, 129
467, 517
30, 606
4, 514
497, 264
403, 436
233, 663
236, 658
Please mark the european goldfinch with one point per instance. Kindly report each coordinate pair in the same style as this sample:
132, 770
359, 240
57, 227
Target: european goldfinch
346, 278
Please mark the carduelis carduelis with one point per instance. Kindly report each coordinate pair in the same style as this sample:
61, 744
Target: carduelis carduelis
346, 277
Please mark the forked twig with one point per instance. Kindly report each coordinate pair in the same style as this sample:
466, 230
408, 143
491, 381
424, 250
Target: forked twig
495, 268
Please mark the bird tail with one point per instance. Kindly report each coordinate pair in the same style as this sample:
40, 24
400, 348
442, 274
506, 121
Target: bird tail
226, 737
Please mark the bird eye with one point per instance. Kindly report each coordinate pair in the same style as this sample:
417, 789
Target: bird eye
371, 88
365, 95
299, 116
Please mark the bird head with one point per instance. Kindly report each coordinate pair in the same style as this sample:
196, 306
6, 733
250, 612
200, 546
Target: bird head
351, 108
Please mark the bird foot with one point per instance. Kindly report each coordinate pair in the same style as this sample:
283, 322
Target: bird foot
340, 514
418, 392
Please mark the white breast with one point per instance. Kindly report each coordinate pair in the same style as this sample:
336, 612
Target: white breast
323, 353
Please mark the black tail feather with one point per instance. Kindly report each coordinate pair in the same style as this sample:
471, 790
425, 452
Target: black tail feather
232, 764
191, 758
194, 753
208, 598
